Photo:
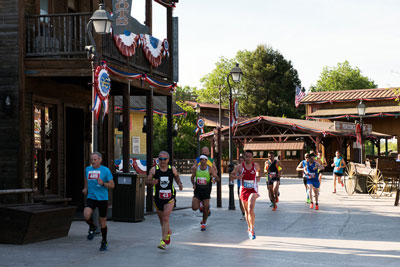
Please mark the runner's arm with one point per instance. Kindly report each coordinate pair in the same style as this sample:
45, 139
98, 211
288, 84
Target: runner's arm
214, 174
300, 167
258, 172
85, 188
177, 178
149, 180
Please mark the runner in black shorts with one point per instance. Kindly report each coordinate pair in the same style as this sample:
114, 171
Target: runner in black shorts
300, 168
274, 169
162, 178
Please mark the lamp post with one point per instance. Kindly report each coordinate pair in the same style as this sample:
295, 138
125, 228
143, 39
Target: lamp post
361, 112
236, 75
101, 21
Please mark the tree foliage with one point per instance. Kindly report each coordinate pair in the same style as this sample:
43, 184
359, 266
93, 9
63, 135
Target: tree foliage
185, 143
342, 77
186, 93
267, 87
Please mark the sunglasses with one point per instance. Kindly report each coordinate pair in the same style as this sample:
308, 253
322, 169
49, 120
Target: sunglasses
162, 159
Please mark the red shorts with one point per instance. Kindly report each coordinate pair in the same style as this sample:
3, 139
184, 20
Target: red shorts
246, 192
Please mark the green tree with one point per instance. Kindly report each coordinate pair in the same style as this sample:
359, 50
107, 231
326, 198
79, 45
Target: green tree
342, 77
186, 93
185, 143
269, 83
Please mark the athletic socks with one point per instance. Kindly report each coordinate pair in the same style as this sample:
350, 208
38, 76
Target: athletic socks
104, 233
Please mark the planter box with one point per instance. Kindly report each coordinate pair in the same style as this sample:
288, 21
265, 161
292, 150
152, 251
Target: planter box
28, 223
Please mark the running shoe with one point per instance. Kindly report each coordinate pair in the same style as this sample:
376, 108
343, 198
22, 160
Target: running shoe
316, 207
334, 191
277, 200
311, 205
91, 233
253, 235
308, 200
275, 207
168, 239
342, 184
201, 207
202, 227
162, 245
103, 246
243, 218
272, 204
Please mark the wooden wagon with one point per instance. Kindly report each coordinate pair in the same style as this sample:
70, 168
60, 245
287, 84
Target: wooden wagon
382, 177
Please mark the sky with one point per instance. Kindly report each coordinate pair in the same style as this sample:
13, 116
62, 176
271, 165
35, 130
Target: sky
310, 33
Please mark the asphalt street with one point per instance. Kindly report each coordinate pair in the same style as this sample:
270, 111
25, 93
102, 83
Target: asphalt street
347, 231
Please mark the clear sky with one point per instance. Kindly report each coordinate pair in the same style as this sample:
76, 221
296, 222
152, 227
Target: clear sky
310, 33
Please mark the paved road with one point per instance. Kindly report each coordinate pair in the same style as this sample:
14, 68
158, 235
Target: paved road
346, 231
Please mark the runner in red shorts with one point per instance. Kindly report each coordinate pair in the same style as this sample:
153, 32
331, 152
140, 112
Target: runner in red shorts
249, 174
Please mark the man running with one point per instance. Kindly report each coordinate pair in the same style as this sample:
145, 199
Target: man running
274, 169
300, 168
241, 160
162, 178
311, 173
339, 165
201, 180
321, 160
210, 162
98, 180
249, 174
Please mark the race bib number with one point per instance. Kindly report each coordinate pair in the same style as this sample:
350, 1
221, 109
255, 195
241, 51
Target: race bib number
337, 168
311, 175
248, 183
93, 175
201, 180
165, 194
272, 175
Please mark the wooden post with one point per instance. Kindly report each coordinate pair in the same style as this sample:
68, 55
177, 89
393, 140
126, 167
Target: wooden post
386, 147
170, 144
149, 146
218, 164
125, 128
149, 16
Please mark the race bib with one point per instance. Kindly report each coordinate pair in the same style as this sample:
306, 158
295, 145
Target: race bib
201, 181
165, 194
248, 183
271, 175
93, 175
311, 175
337, 168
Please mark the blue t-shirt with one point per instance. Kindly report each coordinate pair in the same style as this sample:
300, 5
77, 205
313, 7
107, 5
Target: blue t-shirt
312, 174
337, 162
95, 190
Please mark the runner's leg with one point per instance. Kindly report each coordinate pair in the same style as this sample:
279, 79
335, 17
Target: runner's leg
251, 205
195, 203
165, 218
206, 203
276, 189
246, 213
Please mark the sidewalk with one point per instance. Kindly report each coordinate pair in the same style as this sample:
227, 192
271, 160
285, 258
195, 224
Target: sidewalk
347, 231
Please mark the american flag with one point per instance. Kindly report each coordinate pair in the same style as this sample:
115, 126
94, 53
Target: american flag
299, 95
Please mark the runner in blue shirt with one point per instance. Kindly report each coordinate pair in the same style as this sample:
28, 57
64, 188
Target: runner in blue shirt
339, 165
98, 179
311, 173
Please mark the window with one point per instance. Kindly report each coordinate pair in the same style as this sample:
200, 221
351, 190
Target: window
44, 7
45, 152
135, 145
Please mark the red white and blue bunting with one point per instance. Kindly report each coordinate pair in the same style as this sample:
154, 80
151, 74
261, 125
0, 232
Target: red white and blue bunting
127, 43
144, 77
102, 87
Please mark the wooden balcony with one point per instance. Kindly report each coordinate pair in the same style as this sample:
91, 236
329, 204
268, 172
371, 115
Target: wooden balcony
64, 37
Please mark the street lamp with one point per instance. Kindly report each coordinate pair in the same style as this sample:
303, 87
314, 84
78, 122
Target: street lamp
101, 21
236, 74
361, 112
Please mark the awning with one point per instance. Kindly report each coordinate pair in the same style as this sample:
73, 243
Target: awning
353, 111
265, 146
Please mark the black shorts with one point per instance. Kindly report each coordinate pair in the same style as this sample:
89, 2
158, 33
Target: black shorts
321, 171
305, 181
202, 194
102, 205
338, 174
159, 203
238, 190
272, 180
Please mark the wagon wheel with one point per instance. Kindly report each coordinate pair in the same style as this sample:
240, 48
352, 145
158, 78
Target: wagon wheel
350, 178
375, 183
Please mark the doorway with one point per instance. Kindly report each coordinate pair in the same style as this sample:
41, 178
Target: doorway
75, 155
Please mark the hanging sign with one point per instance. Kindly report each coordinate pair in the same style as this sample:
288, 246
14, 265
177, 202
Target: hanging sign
200, 126
102, 87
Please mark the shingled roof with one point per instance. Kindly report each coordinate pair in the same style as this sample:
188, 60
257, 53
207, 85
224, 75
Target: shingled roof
350, 95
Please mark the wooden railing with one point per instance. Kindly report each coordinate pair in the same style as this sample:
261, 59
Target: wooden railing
65, 36
57, 35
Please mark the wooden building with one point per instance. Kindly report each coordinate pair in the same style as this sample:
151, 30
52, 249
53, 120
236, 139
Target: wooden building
46, 90
288, 138
382, 110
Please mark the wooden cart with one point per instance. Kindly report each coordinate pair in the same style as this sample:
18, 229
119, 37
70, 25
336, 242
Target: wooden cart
383, 178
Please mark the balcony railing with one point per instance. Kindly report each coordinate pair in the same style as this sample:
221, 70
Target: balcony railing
65, 36
57, 35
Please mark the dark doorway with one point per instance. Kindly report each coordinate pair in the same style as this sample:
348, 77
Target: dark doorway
74, 152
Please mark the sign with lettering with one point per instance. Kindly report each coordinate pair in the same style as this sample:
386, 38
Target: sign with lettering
123, 21
351, 127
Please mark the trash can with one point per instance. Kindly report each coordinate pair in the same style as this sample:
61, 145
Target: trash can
128, 197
